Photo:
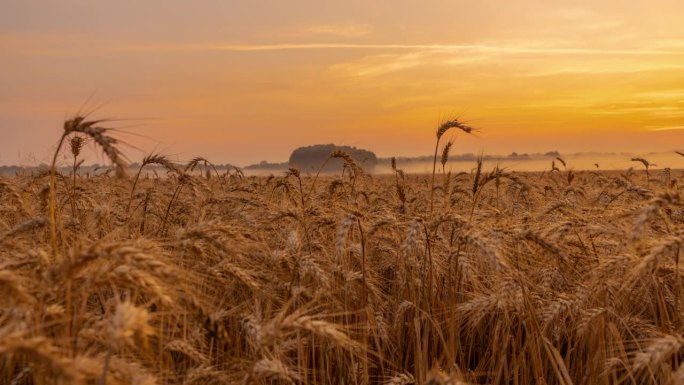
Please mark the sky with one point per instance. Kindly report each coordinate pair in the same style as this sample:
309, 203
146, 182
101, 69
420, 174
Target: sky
243, 81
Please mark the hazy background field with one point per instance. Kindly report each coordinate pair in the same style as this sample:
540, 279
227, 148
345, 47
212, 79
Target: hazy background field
606, 162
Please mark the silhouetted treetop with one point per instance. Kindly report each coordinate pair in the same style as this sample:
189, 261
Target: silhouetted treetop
311, 158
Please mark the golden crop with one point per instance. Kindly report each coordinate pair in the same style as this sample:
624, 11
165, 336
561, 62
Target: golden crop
187, 275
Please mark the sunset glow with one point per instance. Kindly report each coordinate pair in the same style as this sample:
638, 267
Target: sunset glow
241, 82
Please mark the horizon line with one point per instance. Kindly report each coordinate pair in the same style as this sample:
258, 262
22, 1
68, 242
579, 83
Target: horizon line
407, 157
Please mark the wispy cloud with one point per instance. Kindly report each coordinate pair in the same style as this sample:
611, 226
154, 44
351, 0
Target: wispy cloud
69, 47
677, 94
672, 128
465, 56
375, 65
431, 47
628, 67
349, 30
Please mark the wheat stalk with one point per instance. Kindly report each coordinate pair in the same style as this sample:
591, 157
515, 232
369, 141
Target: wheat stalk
441, 130
99, 135
158, 159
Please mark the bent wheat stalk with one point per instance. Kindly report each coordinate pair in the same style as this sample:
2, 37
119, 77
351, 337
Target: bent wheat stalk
441, 130
150, 159
99, 135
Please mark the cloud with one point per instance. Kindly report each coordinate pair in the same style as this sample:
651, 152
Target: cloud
677, 94
376, 65
70, 46
383, 64
455, 48
588, 68
538, 62
672, 128
349, 30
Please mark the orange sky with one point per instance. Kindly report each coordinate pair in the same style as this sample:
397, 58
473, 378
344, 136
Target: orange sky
239, 81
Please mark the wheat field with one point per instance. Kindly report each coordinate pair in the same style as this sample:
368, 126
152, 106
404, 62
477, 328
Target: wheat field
180, 274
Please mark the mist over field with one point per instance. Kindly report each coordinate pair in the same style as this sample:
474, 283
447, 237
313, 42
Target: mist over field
533, 163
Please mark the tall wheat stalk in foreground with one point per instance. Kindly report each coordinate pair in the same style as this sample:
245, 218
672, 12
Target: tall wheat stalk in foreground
79, 124
441, 130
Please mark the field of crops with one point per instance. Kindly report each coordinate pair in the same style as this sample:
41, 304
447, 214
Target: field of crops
182, 275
